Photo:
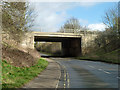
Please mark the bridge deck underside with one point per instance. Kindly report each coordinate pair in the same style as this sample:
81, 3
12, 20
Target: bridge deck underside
54, 39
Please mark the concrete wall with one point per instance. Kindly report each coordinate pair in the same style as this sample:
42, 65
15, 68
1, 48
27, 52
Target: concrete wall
28, 41
87, 41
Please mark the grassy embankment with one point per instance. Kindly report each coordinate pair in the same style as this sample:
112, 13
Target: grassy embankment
111, 57
13, 77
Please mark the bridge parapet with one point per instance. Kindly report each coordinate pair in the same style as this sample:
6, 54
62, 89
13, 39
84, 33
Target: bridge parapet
53, 34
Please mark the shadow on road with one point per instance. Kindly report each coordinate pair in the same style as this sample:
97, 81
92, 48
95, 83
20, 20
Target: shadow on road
53, 56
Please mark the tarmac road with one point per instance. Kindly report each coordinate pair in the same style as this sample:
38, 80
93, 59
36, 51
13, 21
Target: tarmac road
87, 74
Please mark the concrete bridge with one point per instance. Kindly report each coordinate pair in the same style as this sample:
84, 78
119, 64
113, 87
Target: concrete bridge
72, 44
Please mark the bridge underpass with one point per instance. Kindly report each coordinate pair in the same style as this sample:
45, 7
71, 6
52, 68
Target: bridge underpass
71, 45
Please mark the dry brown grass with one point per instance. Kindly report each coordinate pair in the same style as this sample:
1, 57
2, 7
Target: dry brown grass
19, 57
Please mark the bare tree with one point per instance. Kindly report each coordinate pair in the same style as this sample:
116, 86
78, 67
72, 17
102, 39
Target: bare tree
109, 39
111, 19
71, 26
16, 19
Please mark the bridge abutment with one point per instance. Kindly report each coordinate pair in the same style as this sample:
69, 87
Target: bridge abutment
28, 41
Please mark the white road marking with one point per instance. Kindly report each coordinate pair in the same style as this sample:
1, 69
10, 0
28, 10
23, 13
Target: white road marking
104, 71
99, 69
118, 77
91, 66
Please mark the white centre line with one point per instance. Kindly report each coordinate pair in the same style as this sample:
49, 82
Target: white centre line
104, 71
91, 66
100, 69
118, 77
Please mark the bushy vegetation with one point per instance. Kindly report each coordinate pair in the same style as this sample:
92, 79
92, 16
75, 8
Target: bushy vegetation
109, 39
53, 48
19, 65
16, 19
111, 57
13, 77
107, 43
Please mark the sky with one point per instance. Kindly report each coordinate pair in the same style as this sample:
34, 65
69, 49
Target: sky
50, 16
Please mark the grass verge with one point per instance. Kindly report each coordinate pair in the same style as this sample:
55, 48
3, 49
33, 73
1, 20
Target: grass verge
14, 77
111, 57
113, 61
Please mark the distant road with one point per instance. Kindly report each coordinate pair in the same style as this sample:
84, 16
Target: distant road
87, 74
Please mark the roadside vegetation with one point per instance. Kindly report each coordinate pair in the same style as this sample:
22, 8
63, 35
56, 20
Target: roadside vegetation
50, 48
111, 57
17, 20
14, 77
107, 43
19, 64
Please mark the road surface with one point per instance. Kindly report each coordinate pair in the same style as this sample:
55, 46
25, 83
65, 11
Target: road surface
87, 74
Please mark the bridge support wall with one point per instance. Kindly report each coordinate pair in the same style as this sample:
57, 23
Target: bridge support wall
28, 41
71, 47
